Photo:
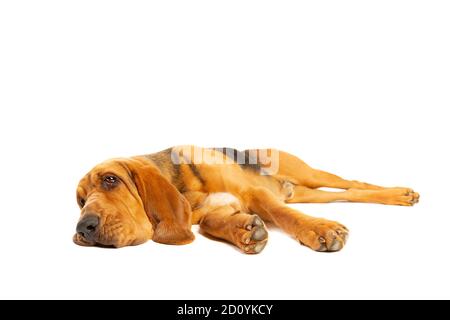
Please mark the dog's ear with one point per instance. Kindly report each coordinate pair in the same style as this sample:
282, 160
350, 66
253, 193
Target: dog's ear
167, 209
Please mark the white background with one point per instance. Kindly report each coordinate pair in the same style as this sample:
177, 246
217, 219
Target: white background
357, 88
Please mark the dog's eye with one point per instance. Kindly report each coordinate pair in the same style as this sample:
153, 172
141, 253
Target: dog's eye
82, 202
110, 180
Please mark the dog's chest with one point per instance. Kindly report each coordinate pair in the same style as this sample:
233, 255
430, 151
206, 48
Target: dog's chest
219, 199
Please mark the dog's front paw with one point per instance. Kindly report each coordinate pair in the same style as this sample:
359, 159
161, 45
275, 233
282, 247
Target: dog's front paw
250, 236
323, 235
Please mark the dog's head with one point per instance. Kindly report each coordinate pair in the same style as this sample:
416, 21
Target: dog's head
127, 202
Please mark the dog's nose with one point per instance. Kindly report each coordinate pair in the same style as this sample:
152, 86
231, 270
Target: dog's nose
87, 226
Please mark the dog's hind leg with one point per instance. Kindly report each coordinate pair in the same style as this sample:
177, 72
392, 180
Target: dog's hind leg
319, 179
302, 174
392, 196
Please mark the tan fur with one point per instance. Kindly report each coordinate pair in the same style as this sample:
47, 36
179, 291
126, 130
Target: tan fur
157, 199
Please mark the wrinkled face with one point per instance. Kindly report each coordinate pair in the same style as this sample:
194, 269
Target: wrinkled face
112, 211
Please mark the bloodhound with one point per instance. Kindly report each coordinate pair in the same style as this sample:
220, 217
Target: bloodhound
230, 194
